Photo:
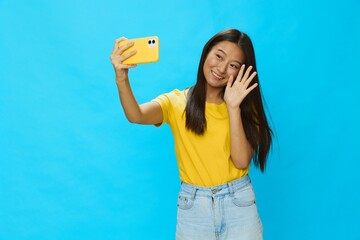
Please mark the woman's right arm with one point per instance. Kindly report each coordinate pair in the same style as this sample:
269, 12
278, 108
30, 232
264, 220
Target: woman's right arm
147, 113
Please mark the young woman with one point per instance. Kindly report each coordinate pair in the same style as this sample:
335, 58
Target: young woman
219, 126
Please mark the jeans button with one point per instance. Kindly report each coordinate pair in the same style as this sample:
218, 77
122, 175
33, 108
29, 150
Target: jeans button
214, 191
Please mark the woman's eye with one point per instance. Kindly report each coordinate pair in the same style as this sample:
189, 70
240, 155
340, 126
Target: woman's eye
218, 56
234, 66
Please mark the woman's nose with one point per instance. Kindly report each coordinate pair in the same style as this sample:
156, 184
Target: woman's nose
222, 67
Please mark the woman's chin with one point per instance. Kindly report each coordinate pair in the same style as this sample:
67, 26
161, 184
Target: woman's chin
216, 83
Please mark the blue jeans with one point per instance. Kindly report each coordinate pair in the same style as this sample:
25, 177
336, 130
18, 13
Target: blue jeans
226, 211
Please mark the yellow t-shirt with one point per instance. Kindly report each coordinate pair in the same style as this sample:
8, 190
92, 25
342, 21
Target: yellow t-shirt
203, 160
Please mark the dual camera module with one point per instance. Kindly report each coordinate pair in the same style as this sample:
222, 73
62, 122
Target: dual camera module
151, 42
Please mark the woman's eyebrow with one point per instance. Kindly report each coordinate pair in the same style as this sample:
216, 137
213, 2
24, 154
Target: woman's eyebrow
219, 49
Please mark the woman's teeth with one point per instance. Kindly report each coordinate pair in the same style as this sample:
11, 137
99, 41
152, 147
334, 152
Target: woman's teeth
217, 76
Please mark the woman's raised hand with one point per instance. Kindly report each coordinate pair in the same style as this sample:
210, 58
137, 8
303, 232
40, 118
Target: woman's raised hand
118, 56
237, 89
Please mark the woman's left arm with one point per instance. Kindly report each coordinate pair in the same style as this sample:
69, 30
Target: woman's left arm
235, 92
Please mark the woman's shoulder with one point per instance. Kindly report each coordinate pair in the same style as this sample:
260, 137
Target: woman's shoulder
176, 97
178, 93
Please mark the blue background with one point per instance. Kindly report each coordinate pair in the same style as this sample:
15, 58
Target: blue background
72, 167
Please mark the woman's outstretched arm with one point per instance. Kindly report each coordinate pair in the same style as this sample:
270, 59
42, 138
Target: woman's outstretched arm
147, 113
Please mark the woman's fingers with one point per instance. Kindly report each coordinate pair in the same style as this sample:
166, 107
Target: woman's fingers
127, 55
230, 81
248, 90
249, 79
246, 74
116, 44
241, 72
118, 56
244, 78
121, 49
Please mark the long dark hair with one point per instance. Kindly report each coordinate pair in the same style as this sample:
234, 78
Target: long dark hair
253, 116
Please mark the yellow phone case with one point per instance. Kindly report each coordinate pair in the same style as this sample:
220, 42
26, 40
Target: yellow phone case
147, 50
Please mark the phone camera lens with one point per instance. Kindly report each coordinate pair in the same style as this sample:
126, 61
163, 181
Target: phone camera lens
153, 41
149, 42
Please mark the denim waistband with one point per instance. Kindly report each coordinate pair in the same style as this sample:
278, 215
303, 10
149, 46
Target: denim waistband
223, 189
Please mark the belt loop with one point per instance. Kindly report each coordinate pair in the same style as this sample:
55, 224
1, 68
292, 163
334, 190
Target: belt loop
231, 189
193, 193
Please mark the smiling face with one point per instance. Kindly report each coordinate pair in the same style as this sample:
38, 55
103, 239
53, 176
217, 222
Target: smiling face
223, 60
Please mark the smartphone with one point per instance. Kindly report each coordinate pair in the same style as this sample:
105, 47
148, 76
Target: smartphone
147, 50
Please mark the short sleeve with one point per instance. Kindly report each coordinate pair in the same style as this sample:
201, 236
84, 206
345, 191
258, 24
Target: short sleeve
165, 103
172, 105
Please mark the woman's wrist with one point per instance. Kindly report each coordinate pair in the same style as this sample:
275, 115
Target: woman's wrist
121, 80
235, 110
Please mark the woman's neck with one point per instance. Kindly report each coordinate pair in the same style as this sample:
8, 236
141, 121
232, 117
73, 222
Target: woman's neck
213, 95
